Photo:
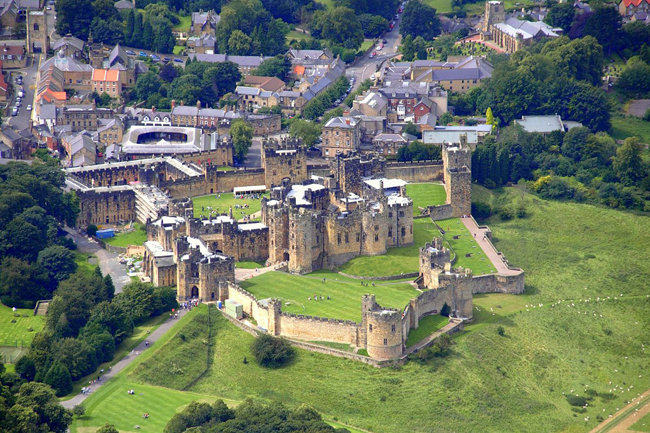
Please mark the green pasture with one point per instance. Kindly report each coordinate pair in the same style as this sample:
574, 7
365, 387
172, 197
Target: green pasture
222, 205
18, 334
137, 236
426, 194
426, 326
466, 244
86, 263
345, 297
184, 25
441, 6
630, 126
642, 425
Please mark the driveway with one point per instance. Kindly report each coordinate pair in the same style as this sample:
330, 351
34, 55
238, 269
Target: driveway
108, 262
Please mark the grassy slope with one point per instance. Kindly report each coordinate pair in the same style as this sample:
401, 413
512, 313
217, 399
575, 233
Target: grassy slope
630, 126
12, 334
84, 266
441, 6
425, 194
135, 237
345, 302
223, 204
465, 244
642, 425
426, 326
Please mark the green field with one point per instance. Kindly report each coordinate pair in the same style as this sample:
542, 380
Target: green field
441, 6
293, 34
86, 263
367, 43
184, 25
642, 425
425, 194
426, 326
137, 236
630, 126
222, 205
18, 334
466, 244
345, 297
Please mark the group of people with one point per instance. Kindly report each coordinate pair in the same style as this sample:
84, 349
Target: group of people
315, 297
191, 304
366, 284
245, 196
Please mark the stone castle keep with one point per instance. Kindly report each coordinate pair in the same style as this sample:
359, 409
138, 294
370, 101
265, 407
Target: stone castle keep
316, 216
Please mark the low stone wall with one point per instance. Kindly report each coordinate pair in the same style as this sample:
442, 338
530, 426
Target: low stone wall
441, 212
135, 250
498, 283
113, 249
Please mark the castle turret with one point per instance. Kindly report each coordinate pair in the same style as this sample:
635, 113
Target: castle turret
383, 329
457, 161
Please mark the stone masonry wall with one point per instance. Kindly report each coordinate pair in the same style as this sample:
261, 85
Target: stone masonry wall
496, 283
429, 171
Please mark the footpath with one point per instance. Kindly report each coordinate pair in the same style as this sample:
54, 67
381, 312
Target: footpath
480, 234
130, 357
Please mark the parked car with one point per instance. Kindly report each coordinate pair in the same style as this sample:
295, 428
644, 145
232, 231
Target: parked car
29, 108
100, 154
379, 48
177, 60
397, 16
373, 54
18, 103
384, 41
166, 59
14, 111
142, 54
130, 52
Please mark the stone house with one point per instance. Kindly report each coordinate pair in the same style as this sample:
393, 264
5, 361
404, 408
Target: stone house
83, 117
403, 96
70, 45
107, 81
340, 135
110, 133
80, 150
388, 144
204, 23
13, 56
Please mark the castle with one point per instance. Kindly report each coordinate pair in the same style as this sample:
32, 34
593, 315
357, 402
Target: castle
317, 216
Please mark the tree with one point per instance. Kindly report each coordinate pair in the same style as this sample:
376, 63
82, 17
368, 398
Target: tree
239, 44
110, 287
58, 264
635, 78
74, 16
187, 89
146, 84
307, 131
272, 352
604, 25
278, 66
147, 33
489, 117
222, 77
91, 229
19, 282
574, 142
129, 28
164, 40
373, 25
628, 163
446, 119
39, 399
77, 355
412, 129
407, 48
58, 377
79, 410
340, 26
108, 428
242, 138
561, 15
419, 19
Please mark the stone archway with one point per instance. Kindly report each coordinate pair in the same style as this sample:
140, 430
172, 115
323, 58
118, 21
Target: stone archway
194, 292
285, 257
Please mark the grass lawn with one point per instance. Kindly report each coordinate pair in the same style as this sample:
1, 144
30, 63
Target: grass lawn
18, 334
367, 43
630, 126
426, 326
345, 302
441, 6
184, 25
425, 194
466, 244
293, 34
642, 425
223, 204
178, 49
86, 263
137, 236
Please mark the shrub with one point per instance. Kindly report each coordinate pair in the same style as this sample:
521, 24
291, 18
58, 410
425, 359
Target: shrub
521, 211
576, 400
501, 331
646, 116
272, 352
506, 213
79, 410
91, 230
445, 310
481, 210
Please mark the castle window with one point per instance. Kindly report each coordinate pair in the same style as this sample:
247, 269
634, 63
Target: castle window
401, 213
339, 238
403, 231
347, 240
390, 214
390, 232
376, 238
385, 342
357, 237
393, 328
370, 327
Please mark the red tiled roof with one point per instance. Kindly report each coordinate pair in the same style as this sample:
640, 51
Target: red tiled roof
628, 3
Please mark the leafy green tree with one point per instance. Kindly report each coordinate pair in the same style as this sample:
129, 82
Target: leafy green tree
239, 44
103, 345
110, 287
79, 410
580, 59
446, 119
561, 15
307, 131
272, 352
40, 400
242, 138
19, 282
58, 264
628, 163
187, 89
489, 117
23, 240
419, 19
278, 66
604, 25
138, 28
340, 26
222, 77
77, 355
373, 25
635, 78
26, 368
129, 27
108, 428
574, 142
412, 129
58, 377
136, 299
145, 85
164, 40
147, 33
74, 16
407, 48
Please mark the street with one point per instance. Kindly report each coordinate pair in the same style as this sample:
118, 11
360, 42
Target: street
21, 121
108, 262
367, 66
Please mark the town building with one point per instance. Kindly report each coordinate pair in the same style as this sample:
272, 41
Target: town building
107, 81
340, 135
204, 23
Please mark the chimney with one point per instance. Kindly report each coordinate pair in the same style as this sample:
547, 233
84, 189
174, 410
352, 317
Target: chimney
153, 108
346, 113
198, 105
347, 120
182, 103
173, 103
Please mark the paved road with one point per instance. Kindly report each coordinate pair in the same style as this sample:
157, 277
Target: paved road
21, 121
155, 335
367, 66
108, 262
